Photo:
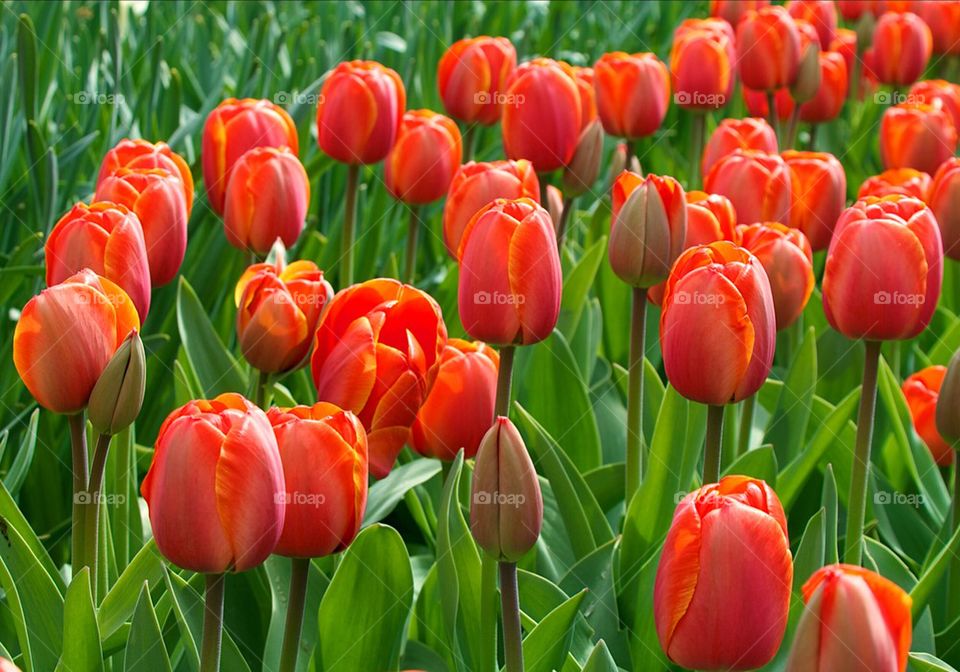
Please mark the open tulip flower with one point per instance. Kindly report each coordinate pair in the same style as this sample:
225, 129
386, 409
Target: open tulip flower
938, 92
758, 185
633, 93
471, 76
144, 154
902, 45
902, 181
787, 258
916, 135
944, 201
921, 390
818, 194
768, 48
733, 134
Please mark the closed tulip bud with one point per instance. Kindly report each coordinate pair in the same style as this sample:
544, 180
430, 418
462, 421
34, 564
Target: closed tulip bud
884, 269
818, 194
916, 136
827, 102
583, 170
723, 582
903, 181
921, 391
233, 128
215, 488
943, 19
323, 450
361, 105
554, 205
377, 352
542, 114
144, 154
902, 45
647, 228
459, 409
506, 508
787, 258
472, 75
106, 238
733, 10
584, 77
155, 196
65, 337
938, 92
821, 14
117, 397
702, 63
424, 159
633, 93
944, 201
768, 43
758, 185
948, 402
477, 184
278, 308
734, 134
808, 75
855, 619
510, 281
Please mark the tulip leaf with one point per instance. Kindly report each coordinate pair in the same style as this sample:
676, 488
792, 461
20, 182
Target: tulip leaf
924, 662
759, 463
545, 647
81, 637
21, 463
12, 518
600, 660
277, 570
145, 651
576, 287
927, 583
787, 429
120, 603
386, 493
828, 500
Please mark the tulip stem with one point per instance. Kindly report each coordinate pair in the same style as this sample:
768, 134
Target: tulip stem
349, 215
857, 501
634, 466
260, 391
504, 379
953, 586
411, 266
488, 612
696, 147
791, 139
91, 502
510, 601
772, 115
568, 204
544, 179
711, 455
299, 572
78, 443
469, 134
212, 624
746, 424
812, 143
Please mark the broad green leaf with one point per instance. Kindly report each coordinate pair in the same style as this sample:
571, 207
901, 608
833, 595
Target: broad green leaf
924, 662
600, 660
81, 637
216, 369
145, 651
12, 517
21, 463
545, 648
119, 604
577, 285
787, 429
386, 493
928, 581
759, 463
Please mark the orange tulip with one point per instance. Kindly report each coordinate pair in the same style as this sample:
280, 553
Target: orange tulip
845, 44
943, 19
759, 106
510, 279
633, 93
267, 198
722, 589
902, 44
476, 184
916, 136
944, 201
701, 63
65, 336
323, 450
818, 193
821, 14
460, 408
733, 134
787, 258
758, 185
852, 10
471, 76
144, 154
904, 181
827, 103
155, 196
377, 352
717, 328
542, 114
733, 10
938, 92
854, 620
921, 391
584, 78
768, 48
424, 159
278, 308
106, 238
224, 454
235, 127
358, 117
884, 269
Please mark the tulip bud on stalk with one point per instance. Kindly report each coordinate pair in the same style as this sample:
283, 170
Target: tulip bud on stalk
581, 173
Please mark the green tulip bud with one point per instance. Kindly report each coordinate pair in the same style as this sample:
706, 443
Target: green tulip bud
808, 75
584, 168
948, 403
118, 395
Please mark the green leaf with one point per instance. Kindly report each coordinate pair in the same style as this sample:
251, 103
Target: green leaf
21, 463
546, 647
759, 463
787, 429
214, 366
928, 581
119, 604
600, 660
12, 518
577, 285
924, 662
386, 493
145, 651
81, 637
828, 500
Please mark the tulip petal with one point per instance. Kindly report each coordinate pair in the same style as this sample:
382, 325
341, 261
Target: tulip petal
535, 278
346, 375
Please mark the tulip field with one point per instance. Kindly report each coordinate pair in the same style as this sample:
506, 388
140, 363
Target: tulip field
425, 336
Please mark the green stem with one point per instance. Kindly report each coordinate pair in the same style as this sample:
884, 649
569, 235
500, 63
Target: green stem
212, 624
568, 204
696, 147
488, 612
504, 379
711, 455
299, 572
746, 424
78, 444
92, 506
544, 180
469, 135
772, 114
411, 266
812, 145
510, 601
123, 474
953, 586
857, 501
634, 466
349, 216
791, 139
260, 391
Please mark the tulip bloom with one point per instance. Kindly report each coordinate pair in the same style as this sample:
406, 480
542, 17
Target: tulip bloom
854, 620
584, 79
902, 44
938, 92
852, 10
510, 281
758, 185
787, 258
323, 450
904, 181
425, 158
821, 14
358, 118
944, 201
818, 193
542, 114
65, 337
460, 408
106, 238
733, 10
828, 101
232, 129
733, 134
884, 269
143, 154
477, 184
701, 63
278, 308
155, 196
267, 198
224, 454
943, 19
722, 589
845, 44
633, 93
768, 45
758, 105
921, 391
377, 352
916, 136
580, 174
471, 77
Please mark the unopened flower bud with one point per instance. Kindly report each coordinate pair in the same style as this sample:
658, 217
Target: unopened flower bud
582, 171
118, 395
948, 403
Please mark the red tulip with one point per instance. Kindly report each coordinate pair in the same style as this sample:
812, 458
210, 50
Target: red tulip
424, 159
821, 14
758, 185
827, 103
904, 181
902, 44
852, 10
845, 44
944, 201
733, 10
916, 136
702, 63
232, 129
921, 391
759, 106
723, 583
787, 258
144, 154
818, 194
358, 117
884, 269
633, 93
768, 48
938, 92
323, 451
215, 488
377, 352
472, 75
733, 134
943, 19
